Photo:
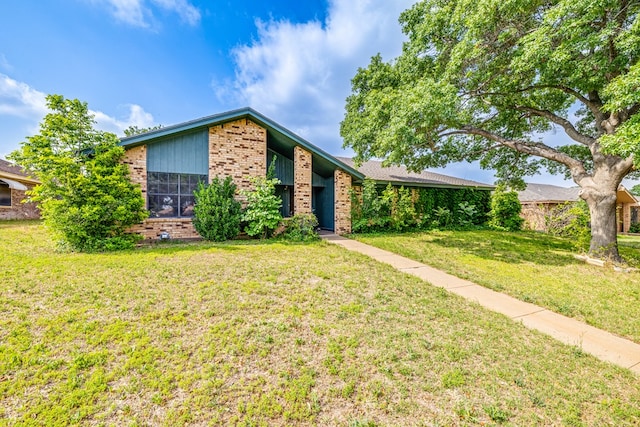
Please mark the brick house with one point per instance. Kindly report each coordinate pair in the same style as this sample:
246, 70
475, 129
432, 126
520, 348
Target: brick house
14, 184
539, 200
169, 162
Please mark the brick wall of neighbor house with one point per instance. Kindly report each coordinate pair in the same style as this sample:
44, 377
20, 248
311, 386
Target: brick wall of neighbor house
19, 210
302, 165
342, 181
238, 149
535, 215
626, 217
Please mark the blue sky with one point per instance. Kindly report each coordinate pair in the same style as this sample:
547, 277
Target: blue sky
149, 62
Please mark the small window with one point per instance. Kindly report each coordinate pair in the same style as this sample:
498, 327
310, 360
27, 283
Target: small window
5, 194
170, 195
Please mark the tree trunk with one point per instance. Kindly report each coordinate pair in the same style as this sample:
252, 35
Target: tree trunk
604, 231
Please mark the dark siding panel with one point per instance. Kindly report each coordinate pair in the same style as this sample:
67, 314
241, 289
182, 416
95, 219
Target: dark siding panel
180, 154
284, 167
324, 204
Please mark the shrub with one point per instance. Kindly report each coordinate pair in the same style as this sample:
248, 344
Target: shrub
262, 214
505, 210
572, 220
85, 195
634, 228
300, 228
217, 212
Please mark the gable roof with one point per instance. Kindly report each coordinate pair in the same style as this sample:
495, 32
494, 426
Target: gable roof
11, 171
549, 193
278, 134
401, 176
546, 193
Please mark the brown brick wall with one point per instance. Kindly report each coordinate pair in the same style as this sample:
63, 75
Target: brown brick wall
136, 159
238, 149
342, 181
302, 166
19, 210
178, 228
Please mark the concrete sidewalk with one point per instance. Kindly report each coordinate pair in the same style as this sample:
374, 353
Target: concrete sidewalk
597, 342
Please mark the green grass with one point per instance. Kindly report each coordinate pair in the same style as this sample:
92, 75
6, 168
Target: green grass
262, 334
535, 268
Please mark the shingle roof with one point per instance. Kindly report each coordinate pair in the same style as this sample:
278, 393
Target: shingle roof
549, 193
399, 174
7, 167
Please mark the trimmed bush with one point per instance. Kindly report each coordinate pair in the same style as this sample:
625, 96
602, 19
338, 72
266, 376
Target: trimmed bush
505, 210
217, 212
300, 228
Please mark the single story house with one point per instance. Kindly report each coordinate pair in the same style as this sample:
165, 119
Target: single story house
170, 161
14, 183
538, 200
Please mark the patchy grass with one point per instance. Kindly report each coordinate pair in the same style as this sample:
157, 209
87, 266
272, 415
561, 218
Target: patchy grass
535, 268
257, 334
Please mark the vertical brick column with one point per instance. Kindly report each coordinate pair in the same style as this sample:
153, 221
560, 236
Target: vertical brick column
342, 185
136, 159
301, 180
238, 149
626, 217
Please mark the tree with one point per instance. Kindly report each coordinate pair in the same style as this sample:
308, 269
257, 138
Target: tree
635, 190
135, 130
262, 213
217, 212
485, 80
85, 195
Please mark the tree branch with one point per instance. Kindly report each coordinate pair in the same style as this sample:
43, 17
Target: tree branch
535, 149
566, 124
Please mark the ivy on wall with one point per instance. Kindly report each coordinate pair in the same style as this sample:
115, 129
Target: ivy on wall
378, 208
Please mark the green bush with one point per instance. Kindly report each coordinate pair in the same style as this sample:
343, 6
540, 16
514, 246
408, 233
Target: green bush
262, 214
217, 212
505, 210
634, 228
85, 196
300, 228
572, 220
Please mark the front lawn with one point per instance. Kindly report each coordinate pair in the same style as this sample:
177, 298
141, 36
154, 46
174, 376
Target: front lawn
535, 268
251, 334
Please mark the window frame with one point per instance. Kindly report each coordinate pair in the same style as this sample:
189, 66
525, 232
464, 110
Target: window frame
170, 191
10, 193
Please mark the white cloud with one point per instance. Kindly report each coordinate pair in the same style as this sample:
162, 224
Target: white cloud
19, 100
299, 73
140, 13
4, 63
136, 117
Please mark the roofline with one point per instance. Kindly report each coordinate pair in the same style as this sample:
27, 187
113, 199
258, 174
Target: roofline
10, 175
246, 112
433, 185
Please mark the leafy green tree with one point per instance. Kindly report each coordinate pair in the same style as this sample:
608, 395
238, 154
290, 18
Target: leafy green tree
505, 210
135, 130
217, 212
485, 80
262, 213
635, 190
85, 195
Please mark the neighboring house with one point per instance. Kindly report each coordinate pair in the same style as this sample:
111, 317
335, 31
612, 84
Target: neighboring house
538, 200
13, 186
400, 176
169, 162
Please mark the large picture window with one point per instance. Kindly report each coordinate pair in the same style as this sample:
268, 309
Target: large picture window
171, 194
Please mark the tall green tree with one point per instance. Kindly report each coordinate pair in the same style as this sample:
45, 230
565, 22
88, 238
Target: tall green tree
85, 195
489, 80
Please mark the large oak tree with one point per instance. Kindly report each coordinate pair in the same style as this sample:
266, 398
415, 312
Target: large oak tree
490, 80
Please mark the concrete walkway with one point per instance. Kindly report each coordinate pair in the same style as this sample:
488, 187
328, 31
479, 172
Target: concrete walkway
597, 342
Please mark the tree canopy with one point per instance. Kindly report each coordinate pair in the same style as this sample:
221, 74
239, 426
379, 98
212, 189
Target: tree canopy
85, 195
491, 80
